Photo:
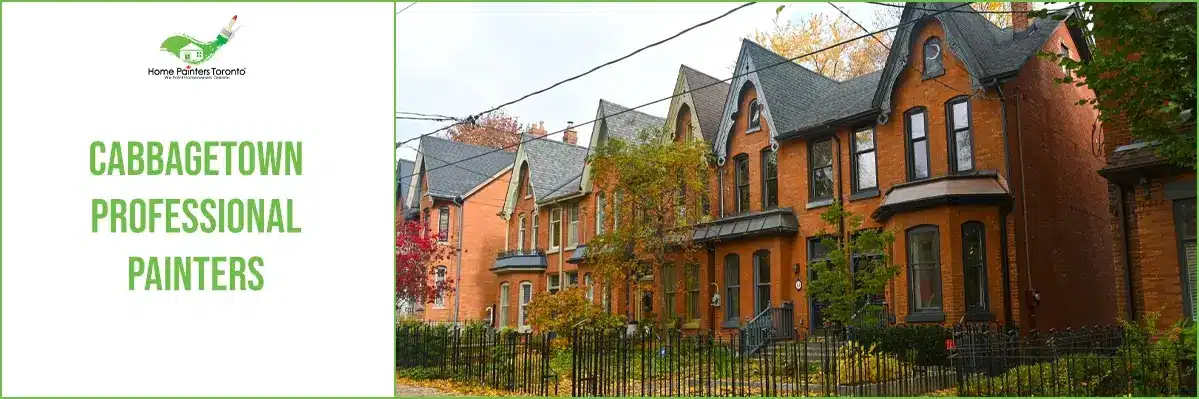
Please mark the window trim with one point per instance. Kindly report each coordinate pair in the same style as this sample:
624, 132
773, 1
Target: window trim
857, 192
737, 184
753, 120
505, 304
973, 312
952, 134
812, 197
732, 289
759, 283
520, 233
600, 212
670, 290
909, 144
440, 275
572, 226
1180, 238
522, 315
927, 315
767, 153
924, 75
443, 224
555, 221
550, 285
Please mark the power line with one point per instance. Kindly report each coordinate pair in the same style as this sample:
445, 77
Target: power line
472, 118
425, 118
960, 11
429, 115
405, 8
715, 83
855, 22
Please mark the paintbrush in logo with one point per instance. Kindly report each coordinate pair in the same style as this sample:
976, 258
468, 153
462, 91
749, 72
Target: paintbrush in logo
195, 52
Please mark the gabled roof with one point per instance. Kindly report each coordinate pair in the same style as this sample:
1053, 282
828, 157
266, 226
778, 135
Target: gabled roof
472, 165
708, 101
626, 125
555, 167
988, 51
404, 170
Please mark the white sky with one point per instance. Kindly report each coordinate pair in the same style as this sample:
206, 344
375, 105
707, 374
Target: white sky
462, 58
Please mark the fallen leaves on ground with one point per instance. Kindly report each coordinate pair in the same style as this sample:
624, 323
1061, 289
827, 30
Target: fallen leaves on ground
452, 387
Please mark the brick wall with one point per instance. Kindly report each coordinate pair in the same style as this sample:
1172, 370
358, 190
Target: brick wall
1153, 250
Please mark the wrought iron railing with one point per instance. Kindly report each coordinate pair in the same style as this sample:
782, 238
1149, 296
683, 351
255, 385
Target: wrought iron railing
520, 252
772, 324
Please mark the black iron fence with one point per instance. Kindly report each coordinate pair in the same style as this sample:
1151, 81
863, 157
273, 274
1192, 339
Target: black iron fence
504, 360
904, 360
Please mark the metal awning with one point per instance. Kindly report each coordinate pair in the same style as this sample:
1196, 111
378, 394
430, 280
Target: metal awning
511, 261
769, 222
577, 256
980, 188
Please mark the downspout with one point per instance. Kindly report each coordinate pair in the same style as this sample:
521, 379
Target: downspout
458, 281
1126, 258
1032, 297
1003, 213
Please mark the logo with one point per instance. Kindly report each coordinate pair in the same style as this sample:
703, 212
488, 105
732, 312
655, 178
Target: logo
193, 53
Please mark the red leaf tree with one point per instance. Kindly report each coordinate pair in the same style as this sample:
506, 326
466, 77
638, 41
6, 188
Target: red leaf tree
495, 130
417, 255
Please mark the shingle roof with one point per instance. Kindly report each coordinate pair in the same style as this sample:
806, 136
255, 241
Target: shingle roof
625, 126
472, 165
403, 177
709, 101
555, 168
987, 50
791, 91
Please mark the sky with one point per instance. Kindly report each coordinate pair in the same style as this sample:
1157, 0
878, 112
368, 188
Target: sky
459, 59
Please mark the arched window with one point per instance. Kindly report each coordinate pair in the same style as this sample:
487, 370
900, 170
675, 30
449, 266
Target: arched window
439, 282
526, 295
961, 142
761, 281
600, 213
741, 179
682, 123
933, 65
924, 274
590, 287
527, 183
974, 263
755, 116
732, 288
504, 308
520, 233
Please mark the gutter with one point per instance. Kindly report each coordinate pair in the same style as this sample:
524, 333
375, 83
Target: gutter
458, 281
1125, 256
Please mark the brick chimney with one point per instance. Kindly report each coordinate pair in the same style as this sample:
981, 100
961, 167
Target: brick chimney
537, 130
1020, 18
570, 136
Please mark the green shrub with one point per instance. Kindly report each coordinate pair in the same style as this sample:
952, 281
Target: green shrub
922, 345
857, 364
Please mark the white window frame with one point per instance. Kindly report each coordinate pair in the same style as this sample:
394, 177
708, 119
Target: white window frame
504, 305
572, 227
599, 213
533, 239
525, 287
439, 276
555, 229
520, 235
551, 285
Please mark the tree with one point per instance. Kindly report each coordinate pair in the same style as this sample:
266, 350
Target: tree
564, 310
496, 130
417, 255
1142, 70
656, 188
817, 31
842, 289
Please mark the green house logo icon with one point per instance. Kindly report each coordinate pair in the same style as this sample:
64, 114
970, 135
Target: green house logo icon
196, 52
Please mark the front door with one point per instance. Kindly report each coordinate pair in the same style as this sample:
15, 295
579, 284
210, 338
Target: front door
814, 306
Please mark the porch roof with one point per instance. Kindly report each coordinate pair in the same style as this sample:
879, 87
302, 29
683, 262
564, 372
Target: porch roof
768, 222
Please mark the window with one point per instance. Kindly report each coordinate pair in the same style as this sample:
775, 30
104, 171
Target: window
647, 304
732, 288
590, 287
755, 116
974, 263
820, 167
691, 277
572, 229
933, 65
669, 287
863, 262
443, 224
439, 282
520, 234
528, 182
600, 217
924, 261
961, 151
554, 282
865, 170
533, 238
761, 281
770, 179
555, 228
1184, 226
741, 163
572, 279
503, 305
916, 126
705, 201
1064, 53
526, 295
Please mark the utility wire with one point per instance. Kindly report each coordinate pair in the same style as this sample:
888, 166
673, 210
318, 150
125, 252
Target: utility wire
474, 117
405, 8
429, 115
959, 11
784, 61
425, 118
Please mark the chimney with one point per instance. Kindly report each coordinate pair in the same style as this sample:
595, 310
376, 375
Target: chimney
570, 136
537, 130
1020, 20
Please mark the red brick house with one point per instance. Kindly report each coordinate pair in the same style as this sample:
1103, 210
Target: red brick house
456, 192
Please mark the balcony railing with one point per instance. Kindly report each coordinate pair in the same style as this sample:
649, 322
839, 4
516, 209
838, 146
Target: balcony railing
520, 252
